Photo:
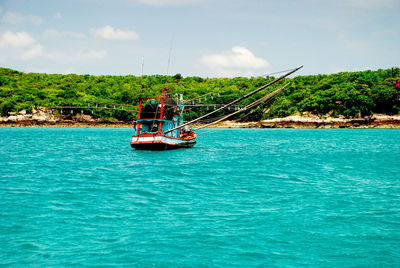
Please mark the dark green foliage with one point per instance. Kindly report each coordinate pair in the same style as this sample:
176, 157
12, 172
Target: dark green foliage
7, 106
178, 77
349, 94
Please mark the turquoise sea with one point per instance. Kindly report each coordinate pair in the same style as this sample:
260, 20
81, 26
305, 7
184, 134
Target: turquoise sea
240, 197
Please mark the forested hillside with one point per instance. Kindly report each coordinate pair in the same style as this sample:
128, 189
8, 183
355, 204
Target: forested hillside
347, 93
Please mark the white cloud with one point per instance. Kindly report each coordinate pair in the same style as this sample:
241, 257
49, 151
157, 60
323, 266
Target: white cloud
12, 18
108, 32
95, 54
58, 34
22, 46
370, 3
238, 61
75, 56
238, 57
169, 2
33, 52
20, 39
16, 18
19, 45
35, 20
58, 15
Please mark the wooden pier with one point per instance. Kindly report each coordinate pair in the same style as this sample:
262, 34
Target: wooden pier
96, 106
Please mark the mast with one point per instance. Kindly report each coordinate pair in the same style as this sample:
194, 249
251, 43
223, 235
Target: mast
170, 52
238, 100
141, 77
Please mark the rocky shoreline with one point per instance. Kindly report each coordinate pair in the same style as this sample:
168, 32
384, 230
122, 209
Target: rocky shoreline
41, 117
312, 121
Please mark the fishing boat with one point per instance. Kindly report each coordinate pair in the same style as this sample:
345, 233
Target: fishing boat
157, 125
160, 125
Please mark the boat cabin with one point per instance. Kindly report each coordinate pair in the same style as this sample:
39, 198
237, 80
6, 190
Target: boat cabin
157, 115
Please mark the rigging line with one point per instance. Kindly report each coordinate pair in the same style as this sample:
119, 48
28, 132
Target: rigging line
261, 102
266, 97
261, 106
206, 104
233, 94
207, 121
252, 111
276, 73
108, 103
238, 100
200, 96
250, 106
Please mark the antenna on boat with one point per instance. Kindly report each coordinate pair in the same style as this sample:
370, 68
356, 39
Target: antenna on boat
141, 77
170, 52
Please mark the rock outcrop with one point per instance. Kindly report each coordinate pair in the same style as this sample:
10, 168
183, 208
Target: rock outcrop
42, 116
313, 121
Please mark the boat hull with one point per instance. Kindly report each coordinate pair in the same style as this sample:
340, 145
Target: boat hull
161, 142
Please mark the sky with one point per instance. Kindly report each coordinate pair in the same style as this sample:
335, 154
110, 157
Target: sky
206, 38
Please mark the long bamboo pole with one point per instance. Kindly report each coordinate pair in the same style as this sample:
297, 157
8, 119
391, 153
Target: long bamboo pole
237, 100
250, 106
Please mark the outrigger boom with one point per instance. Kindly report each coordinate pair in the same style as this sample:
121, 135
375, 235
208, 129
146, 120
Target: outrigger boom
159, 125
239, 99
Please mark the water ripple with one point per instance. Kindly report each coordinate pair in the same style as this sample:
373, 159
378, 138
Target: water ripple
241, 197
